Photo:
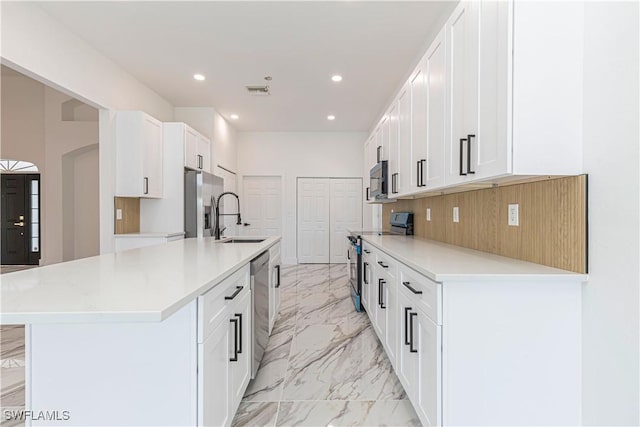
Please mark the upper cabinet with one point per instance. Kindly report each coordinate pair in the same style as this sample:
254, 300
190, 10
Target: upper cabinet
139, 155
493, 99
197, 150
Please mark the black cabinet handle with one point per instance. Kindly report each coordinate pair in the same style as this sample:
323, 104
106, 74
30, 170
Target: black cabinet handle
469, 154
418, 173
146, 185
411, 349
394, 183
382, 265
239, 316
348, 254
364, 266
235, 294
406, 325
367, 194
422, 165
378, 155
408, 286
380, 293
462, 140
278, 276
366, 251
235, 340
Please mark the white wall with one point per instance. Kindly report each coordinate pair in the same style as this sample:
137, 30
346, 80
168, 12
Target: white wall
298, 154
42, 48
33, 130
611, 157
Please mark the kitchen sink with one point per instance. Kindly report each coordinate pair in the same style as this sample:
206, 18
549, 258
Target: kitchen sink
243, 240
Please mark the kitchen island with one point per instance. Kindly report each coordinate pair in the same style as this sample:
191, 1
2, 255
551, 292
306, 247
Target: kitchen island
119, 339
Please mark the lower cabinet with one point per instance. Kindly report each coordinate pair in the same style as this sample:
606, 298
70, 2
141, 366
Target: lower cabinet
224, 349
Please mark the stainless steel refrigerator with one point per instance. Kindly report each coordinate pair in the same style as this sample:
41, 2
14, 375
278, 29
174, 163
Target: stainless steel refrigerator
199, 189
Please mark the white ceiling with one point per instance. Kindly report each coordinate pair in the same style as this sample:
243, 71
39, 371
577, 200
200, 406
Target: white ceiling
301, 44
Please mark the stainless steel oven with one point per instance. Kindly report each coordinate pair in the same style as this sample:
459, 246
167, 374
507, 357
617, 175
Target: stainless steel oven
354, 267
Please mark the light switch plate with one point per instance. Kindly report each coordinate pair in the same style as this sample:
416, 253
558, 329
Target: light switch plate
456, 214
514, 216
428, 214
118, 213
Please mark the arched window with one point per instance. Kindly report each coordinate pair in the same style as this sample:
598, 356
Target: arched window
17, 166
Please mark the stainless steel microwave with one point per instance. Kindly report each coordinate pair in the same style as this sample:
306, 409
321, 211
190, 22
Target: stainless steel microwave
378, 180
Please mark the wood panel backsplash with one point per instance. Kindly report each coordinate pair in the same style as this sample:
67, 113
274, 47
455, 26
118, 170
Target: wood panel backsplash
553, 221
130, 222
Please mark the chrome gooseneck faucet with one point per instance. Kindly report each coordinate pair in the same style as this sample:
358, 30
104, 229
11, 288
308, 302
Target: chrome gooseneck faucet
216, 205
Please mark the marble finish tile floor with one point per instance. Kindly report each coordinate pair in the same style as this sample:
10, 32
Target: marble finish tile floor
324, 364
11, 362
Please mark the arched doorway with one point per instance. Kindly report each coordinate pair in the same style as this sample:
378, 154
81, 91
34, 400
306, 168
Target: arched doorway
20, 212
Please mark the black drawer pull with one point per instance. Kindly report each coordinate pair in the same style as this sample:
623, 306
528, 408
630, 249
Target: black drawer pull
278, 268
406, 325
462, 155
235, 294
367, 251
235, 340
408, 286
381, 293
411, 349
382, 264
239, 316
364, 267
469, 154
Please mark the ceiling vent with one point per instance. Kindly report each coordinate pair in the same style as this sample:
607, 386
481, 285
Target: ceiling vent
258, 90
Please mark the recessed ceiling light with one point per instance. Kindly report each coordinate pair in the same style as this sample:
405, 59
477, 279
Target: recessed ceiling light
336, 78
198, 77
234, 116
331, 117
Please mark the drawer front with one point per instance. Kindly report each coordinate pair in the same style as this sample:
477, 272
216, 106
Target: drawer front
368, 250
213, 304
387, 264
426, 292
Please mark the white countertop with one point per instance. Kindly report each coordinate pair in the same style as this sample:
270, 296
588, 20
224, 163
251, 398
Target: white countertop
442, 262
146, 284
152, 234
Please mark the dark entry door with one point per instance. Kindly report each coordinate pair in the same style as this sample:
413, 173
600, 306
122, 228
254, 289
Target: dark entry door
17, 221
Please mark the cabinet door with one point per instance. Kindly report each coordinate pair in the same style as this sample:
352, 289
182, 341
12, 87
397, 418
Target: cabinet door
406, 171
380, 284
462, 76
274, 290
429, 379
384, 138
204, 151
241, 368
435, 61
191, 148
214, 407
418, 89
391, 327
393, 150
407, 360
152, 157
491, 151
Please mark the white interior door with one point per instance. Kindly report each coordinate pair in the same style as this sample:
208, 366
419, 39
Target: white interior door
313, 220
262, 201
345, 213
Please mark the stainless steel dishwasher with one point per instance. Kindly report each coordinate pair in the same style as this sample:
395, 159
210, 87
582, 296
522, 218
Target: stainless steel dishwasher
260, 303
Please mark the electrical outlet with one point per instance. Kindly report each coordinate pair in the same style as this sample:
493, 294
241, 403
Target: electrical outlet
514, 217
428, 214
456, 214
118, 213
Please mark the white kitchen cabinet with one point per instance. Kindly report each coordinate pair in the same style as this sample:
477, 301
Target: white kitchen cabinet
275, 281
213, 376
139, 155
240, 370
435, 80
368, 257
196, 147
418, 93
224, 349
393, 156
403, 179
474, 350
